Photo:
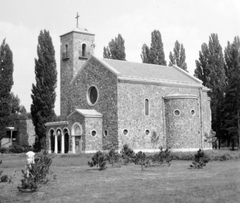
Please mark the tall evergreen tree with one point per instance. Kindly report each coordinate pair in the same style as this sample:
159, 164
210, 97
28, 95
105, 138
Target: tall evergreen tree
232, 98
154, 55
178, 56
115, 49
43, 92
210, 69
6, 82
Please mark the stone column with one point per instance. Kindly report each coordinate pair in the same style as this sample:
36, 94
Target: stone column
63, 144
56, 144
73, 145
49, 145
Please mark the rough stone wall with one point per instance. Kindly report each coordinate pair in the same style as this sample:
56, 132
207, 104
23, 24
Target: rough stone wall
207, 118
131, 114
93, 143
95, 74
70, 65
183, 130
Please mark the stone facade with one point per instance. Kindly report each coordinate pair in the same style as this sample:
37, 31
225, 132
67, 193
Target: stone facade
109, 103
72, 59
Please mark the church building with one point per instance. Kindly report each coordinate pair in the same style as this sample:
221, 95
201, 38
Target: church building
108, 103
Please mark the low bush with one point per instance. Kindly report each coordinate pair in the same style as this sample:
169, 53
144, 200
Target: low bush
36, 173
142, 160
4, 178
127, 154
99, 160
214, 155
163, 156
200, 160
112, 156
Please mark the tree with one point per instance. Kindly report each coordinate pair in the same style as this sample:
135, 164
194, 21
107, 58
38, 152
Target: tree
178, 56
115, 49
43, 92
232, 98
210, 69
154, 55
6, 82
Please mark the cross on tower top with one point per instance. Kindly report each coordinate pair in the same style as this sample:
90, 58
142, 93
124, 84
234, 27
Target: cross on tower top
77, 19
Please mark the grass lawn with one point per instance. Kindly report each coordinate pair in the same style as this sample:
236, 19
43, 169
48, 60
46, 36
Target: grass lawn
76, 182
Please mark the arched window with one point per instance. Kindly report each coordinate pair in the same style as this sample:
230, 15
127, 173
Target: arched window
84, 50
146, 107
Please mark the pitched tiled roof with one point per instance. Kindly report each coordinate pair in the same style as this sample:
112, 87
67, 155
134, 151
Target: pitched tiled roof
146, 71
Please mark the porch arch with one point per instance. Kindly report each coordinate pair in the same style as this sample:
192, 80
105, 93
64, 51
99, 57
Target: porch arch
76, 130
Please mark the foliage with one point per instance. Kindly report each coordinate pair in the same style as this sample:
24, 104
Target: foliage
154, 54
142, 159
163, 156
112, 156
98, 160
200, 160
4, 178
36, 173
115, 49
43, 92
232, 98
128, 154
6, 82
210, 69
178, 56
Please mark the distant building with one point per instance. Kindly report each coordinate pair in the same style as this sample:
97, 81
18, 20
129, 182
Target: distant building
21, 132
109, 103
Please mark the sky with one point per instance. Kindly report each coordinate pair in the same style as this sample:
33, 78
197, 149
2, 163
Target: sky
191, 22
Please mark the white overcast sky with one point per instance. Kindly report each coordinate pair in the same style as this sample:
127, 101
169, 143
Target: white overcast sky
189, 21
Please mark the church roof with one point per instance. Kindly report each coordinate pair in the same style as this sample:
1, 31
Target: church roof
144, 71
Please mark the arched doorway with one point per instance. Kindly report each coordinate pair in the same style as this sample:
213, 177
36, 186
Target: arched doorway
52, 140
66, 140
77, 137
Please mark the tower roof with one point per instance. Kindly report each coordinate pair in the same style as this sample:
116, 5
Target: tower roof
79, 30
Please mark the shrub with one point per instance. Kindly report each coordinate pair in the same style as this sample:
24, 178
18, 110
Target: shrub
3, 150
36, 174
163, 156
128, 154
200, 160
98, 160
4, 178
112, 156
142, 159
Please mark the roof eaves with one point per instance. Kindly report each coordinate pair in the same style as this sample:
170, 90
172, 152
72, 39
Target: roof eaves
158, 81
56, 123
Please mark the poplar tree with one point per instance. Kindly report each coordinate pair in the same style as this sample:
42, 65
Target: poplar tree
232, 99
115, 49
178, 56
6, 82
210, 69
154, 54
43, 92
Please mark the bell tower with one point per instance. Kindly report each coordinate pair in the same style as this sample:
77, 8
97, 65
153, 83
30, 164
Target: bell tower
76, 47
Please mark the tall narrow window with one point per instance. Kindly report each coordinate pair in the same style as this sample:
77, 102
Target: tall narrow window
83, 50
146, 107
66, 51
